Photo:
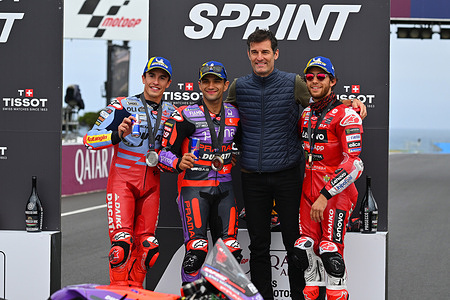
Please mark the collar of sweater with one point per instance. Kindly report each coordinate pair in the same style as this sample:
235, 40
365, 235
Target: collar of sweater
266, 79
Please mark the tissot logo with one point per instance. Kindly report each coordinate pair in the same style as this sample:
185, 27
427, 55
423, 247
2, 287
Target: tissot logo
353, 91
24, 101
271, 14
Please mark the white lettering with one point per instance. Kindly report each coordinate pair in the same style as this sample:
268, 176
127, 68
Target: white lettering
98, 160
206, 24
228, 8
79, 175
9, 22
304, 16
25, 102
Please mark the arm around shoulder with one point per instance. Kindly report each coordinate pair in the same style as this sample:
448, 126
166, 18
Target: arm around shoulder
231, 97
302, 95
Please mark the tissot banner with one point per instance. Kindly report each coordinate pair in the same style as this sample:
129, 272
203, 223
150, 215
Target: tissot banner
30, 109
354, 34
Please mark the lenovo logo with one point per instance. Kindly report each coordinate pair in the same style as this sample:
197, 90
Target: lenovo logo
290, 21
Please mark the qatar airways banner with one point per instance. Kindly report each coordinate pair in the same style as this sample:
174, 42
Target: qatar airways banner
354, 34
84, 170
30, 109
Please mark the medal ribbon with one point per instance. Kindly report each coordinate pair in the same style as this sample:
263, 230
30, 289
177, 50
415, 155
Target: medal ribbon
312, 140
151, 131
217, 141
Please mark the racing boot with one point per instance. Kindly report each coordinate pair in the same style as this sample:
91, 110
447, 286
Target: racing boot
119, 258
143, 258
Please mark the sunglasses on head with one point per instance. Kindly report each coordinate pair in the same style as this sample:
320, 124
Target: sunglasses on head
215, 69
319, 76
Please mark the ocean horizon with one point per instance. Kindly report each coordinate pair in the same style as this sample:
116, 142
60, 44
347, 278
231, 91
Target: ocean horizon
433, 141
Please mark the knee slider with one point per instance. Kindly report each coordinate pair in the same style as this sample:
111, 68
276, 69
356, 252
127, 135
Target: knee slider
120, 249
196, 251
151, 250
302, 248
333, 263
235, 248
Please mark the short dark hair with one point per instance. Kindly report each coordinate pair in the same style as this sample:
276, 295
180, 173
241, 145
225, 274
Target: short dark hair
261, 35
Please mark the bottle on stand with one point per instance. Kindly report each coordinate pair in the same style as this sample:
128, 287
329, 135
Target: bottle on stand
368, 212
34, 213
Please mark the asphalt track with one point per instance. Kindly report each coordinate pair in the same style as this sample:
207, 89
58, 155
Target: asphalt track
418, 225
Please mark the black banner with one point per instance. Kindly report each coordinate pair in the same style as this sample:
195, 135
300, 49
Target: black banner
30, 109
354, 34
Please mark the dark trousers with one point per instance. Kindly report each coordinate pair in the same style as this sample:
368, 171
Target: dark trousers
259, 191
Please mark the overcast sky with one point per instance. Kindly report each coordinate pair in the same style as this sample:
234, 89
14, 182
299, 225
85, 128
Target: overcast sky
419, 94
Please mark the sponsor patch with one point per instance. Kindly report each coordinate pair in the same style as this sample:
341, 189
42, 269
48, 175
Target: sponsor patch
353, 137
352, 130
350, 118
132, 103
98, 138
338, 228
354, 144
104, 114
354, 150
339, 177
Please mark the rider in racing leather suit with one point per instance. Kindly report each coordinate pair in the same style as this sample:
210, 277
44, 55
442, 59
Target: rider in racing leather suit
332, 145
205, 196
133, 190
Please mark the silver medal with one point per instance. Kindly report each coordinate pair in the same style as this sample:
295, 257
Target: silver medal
151, 159
217, 163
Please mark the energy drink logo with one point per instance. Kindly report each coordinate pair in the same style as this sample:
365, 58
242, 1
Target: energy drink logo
25, 100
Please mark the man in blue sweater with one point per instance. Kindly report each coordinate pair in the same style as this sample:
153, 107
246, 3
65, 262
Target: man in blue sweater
272, 164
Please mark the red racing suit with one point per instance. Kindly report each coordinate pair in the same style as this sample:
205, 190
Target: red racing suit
205, 196
133, 190
335, 166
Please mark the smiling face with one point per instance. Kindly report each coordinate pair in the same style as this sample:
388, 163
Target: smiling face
319, 88
212, 87
262, 58
155, 81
